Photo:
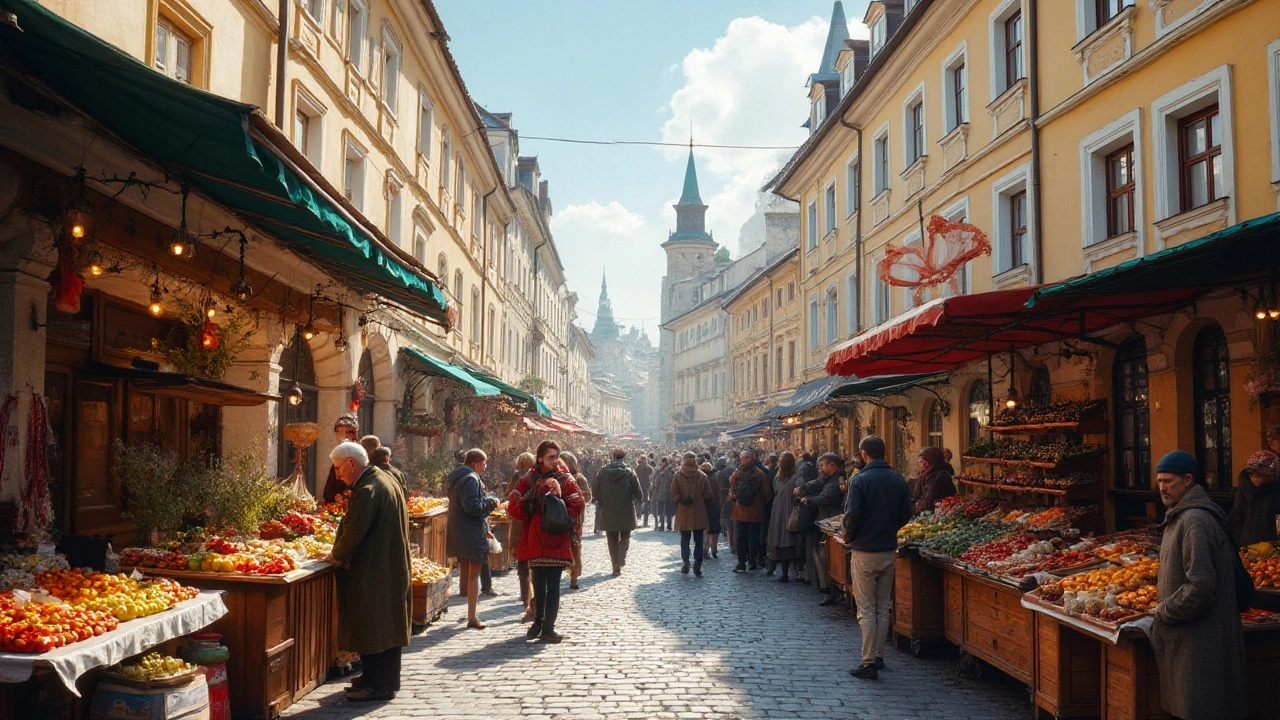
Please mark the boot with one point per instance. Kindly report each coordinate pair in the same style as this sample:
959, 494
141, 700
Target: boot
535, 630
684, 569
697, 569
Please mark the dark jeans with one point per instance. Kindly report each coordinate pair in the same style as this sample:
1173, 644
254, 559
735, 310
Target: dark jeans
522, 575
748, 545
546, 595
382, 670
486, 577
619, 542
697, 546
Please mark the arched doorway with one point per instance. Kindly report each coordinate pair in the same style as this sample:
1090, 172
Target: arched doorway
364, 413
296, 365
1211, 375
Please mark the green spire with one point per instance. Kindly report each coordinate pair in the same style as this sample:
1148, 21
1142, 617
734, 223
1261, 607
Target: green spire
690, 196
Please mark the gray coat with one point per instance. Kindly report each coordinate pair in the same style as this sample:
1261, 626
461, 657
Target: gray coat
783, 502
467, 536
372, 545
1197, 635
616, 489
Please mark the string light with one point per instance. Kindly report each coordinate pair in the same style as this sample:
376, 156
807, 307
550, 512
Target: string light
95, 263
79, 209
156, 308
183, 243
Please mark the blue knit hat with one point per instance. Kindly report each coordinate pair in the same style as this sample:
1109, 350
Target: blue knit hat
1179, 463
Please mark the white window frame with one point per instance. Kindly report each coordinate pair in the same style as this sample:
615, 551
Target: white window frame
811, 229
392, 57
818, 110
852, 186
421, 239
881, 297
999, 83
908, 128
1273, 95
1213, 86
831, 314
959, 211
879, 34
830, 208
1018, 180
357, 33
848, 77
446, 159
878, 183
336, 20
958, 57
351, 151
1094, 149
395, 208
315, 9
175, 35
1087, 17
851, 304
912, 238
815, 317
426, 124
306, 104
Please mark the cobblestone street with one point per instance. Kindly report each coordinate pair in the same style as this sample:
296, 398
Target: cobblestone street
657, 644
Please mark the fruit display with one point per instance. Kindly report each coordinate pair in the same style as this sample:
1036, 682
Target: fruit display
956, 541
425, 572
152, 666
997, 550
500, 512
1129, 544
1056, 518
36, 627
923, 527
424, 505
959, 507
1059, 413
18, 570
1020, 450
1110, 594
121, 595
335, 510
1033, 481
1254, 616
1262, 560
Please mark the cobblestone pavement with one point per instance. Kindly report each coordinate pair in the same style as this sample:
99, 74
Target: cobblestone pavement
657, 644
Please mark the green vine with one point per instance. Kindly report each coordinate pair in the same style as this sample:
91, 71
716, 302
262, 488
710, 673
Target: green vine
182, 348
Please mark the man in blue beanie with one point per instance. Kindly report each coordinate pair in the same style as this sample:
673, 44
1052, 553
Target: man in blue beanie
1197, 635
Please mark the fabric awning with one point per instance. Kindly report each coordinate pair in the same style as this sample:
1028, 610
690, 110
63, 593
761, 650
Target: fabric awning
755, 429
423, 363
535, 425
174, 384
206, 139
566, 426
531, 402
816, 392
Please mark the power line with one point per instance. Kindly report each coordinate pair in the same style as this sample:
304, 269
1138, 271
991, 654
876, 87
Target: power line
655, 143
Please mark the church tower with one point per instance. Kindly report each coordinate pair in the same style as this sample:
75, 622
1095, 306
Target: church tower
606, 329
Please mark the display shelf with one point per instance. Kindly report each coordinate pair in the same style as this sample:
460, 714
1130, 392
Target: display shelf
1070, 463
1075, 490
1091, 426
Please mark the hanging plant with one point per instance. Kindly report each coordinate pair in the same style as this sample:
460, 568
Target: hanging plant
423, 424
202, 348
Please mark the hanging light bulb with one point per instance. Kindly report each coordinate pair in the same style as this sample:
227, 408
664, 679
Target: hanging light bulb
294, 396
341, 343
1274, 313
1011, 400
183, 243
308, 332
210, 311
95, 263
79, 209
1260, 312
156, 308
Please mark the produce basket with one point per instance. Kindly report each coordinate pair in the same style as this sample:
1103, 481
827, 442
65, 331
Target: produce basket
181, 678
430, 600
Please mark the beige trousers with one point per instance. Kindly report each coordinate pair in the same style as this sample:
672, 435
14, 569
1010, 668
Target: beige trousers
872, 576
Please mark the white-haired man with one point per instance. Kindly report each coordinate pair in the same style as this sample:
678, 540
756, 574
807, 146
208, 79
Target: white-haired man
374, 595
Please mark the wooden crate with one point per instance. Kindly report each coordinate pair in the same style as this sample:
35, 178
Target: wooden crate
1068, 672
838, 564
430, 600
1130, 680
918, 603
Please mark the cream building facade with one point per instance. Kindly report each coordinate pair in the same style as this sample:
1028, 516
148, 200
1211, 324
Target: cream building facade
765, 339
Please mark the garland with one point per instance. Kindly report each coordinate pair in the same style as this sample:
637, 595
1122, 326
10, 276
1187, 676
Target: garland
37, 508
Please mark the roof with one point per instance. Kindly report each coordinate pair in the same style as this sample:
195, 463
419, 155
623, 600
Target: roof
837, 33
690, 195
745, 286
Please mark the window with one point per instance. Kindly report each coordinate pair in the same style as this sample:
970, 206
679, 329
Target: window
395, 209
831, 312
777, 368
908, 294
460, 193
1200, 157
933, 430
811, 232
979, 407
1211, 367
425, 122
1273, 94
959, 212
779, 303
829, 206
881, 150
174, 51
791, 291
791, 359
879, 31
308, 126
915, 137
488, 348
1120, 190
420, 236
1041, 393
1013, 49
390, 71
353, 175
357, 28
446, 158
851, 304
852, 186
813, 323
315, 8
457, 291
883, 301
1107, 9
475, 314
957, 95
1018, 228
442, 268
1133, 423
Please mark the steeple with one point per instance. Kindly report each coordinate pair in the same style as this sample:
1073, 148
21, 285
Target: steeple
606, 328
691, 213
837, 33
690, 196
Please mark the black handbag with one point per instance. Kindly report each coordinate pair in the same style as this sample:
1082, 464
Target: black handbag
555, 516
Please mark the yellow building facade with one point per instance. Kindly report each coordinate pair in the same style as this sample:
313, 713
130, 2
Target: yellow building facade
1078, 135
764, 339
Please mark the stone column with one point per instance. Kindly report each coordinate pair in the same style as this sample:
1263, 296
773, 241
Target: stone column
255, 429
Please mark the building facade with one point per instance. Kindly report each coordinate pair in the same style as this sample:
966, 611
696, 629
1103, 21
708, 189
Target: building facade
765, 339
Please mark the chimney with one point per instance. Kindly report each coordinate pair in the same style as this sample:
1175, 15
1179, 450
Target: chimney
544, 198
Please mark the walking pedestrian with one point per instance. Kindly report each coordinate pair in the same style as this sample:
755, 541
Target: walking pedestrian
617, 490
524, 463
345, 429
933, 482
548, 553
750, 491
1197, 634
824, 497
571, 466
723, 478
661, 493
713, 512
806, 468
690, 493
371, 546
785, 546
467, 535
1257, 503
878, 506
644, 473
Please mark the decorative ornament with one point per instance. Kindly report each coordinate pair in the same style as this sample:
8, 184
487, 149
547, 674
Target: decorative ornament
70, 281
37, 507
209, 339
357, 394
948, 246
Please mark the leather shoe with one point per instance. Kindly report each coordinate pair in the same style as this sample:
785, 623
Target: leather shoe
551, 636
684, 569
370, 695
865, 672
534, 631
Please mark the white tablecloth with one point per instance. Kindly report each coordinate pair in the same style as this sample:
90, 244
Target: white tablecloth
131, 638
1107, 635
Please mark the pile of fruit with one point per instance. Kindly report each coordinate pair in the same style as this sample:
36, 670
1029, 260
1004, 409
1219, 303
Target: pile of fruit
18, 570
1070, 411
1254, 616
1127, 544
959, 507
31, 627
424, 505
1109, 594
1263, 563
121, 595
956, 541
1001, 449
152, 666
335, 510
1056, 518
1033, 480
923, 527
425, 572
996, 551
500, 512
290, 526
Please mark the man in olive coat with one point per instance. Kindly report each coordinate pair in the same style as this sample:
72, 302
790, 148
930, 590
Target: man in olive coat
374, 595
617, 490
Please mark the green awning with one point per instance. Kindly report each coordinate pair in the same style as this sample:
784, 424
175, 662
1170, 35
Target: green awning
1247, 252
532, 403
423, 363
205, 139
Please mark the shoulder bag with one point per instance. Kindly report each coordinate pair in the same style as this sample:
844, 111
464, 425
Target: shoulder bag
555, 516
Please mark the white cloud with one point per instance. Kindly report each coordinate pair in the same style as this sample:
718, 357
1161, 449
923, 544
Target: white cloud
593, 237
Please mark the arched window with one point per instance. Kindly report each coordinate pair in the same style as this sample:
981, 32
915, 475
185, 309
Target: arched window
979, 406
1133, 415
442, 268
1041, 387
296, 364
1211, 368
365, 413
933, 431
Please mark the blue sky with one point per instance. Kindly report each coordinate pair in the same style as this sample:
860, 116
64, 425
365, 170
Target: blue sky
614, 70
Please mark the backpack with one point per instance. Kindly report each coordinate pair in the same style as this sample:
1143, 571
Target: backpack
1243, 580
745, 492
